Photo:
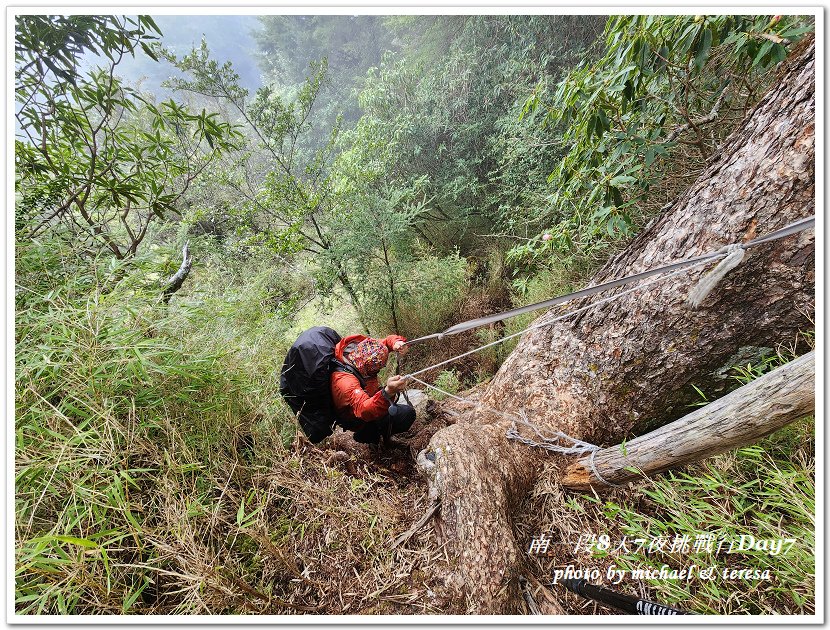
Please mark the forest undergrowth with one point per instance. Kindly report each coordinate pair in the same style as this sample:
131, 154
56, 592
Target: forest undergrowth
499, 162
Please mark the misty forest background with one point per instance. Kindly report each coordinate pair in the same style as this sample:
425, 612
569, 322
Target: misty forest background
371, 173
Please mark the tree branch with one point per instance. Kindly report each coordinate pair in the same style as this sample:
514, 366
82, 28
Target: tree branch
742, 417
177, 279
710, 117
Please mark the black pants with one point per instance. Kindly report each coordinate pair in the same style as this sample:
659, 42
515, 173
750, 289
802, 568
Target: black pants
398, 420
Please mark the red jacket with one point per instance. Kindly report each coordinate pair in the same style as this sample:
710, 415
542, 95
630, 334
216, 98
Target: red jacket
351, 401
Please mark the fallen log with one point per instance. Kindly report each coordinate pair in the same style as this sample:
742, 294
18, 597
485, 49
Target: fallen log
742, 417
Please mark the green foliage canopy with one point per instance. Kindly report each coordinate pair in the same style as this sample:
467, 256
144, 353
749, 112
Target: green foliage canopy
662, 82
93, 154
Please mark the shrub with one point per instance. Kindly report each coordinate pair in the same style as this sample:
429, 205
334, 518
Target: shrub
550, 281
448, 381
428, 292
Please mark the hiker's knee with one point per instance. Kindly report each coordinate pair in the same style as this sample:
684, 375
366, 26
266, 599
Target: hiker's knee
402, 418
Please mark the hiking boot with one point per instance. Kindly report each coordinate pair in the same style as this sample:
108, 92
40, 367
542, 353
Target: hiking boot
390, 443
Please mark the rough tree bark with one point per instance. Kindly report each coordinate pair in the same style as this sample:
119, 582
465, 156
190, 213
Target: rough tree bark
628, 366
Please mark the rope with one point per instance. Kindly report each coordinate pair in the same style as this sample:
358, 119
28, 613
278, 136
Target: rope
560, 318
792, 228
708, 282
552, 443
597, 475
730, 252
560, 442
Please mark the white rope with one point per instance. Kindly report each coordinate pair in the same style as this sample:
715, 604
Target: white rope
793, 228
559, 442
446, 393
734, 255
561, 317
552, 443
708, 282
597, 475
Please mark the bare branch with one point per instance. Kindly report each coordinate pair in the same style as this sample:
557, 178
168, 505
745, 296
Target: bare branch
710, 117
177, 280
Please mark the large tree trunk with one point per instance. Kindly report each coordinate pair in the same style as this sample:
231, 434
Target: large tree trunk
628, 366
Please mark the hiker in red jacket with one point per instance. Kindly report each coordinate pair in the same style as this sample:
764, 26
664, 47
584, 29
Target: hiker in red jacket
361, 404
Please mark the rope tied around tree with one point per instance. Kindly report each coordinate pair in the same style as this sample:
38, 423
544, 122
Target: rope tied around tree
560, 442
732, 255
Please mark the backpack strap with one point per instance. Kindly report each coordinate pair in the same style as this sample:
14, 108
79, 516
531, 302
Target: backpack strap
338, 366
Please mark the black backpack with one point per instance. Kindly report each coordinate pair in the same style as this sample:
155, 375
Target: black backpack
305, 378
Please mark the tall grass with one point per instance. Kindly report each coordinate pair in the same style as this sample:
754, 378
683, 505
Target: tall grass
155, 464
766, 491
122, 411
428, 292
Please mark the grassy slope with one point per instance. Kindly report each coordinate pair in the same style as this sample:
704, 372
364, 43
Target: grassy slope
157, 472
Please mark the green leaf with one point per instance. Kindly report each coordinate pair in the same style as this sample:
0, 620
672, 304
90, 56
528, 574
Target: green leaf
149, 51
149, 22
628, 91
622, 179
765, 48
685, 41
779, 53
796, 32
81, 542
703, 48
240, 513
616, 196
131, 599
661, 58
603, 119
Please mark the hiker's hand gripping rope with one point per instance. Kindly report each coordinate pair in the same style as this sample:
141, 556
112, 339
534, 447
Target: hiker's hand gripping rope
401, 348
395, 385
